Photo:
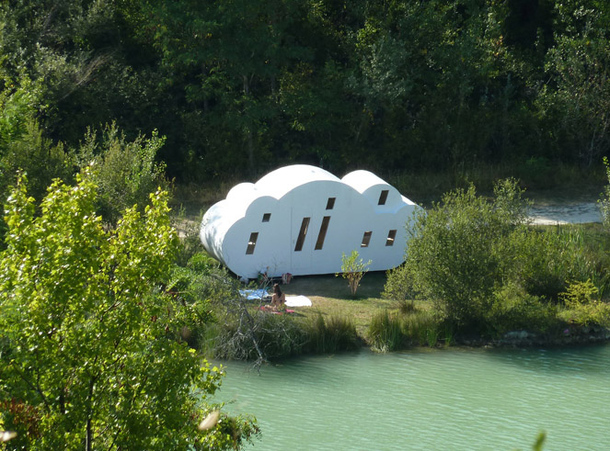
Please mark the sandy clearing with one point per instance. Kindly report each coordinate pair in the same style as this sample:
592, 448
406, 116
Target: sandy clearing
565, 213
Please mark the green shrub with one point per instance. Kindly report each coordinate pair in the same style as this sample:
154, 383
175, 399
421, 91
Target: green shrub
39, 158
124, 171
199, 287
399, 285
514, 309
452, 256
485, 269
540, 260
406, 307
582, 307
353, 268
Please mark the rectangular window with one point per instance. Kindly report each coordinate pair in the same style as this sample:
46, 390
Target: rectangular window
252, 243
391, 236
266, 217
330, 204
383, 196
322, 234
366, 239
302, 234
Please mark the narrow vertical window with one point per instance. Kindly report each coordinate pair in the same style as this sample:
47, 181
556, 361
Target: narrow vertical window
322, 234
266, 217
366, 239
252, 243
330, 204
302, 234
383, 197
391, 237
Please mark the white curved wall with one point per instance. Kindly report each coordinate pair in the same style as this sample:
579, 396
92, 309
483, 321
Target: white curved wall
274, 208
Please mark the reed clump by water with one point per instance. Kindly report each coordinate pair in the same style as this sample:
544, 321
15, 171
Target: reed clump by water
336, 334
393, 331
386, 332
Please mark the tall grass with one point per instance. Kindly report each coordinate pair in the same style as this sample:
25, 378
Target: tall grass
394, 331
385, 332
333, 335
422, 328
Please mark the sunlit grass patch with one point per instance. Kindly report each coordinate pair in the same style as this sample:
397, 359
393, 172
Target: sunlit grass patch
331, 297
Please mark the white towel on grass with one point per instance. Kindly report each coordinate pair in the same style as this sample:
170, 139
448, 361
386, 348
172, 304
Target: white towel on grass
298, 301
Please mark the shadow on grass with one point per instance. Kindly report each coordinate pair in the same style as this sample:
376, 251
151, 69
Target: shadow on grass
330, 286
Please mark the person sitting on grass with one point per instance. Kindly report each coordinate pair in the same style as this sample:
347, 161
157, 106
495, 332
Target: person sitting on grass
278, 300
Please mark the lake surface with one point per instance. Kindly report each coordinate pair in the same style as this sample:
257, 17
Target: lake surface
428, 400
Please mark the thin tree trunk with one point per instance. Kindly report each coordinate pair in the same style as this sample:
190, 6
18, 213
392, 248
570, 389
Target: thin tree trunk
89, 432
88, 436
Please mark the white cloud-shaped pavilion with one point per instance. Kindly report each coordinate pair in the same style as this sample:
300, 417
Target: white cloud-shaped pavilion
301, 219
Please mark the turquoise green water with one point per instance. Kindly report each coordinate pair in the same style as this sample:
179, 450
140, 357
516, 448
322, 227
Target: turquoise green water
429, 400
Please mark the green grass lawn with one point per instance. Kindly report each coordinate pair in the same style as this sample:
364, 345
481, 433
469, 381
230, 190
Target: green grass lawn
331, 296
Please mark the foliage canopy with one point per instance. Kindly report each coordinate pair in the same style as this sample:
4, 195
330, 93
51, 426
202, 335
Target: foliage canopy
485, 270
87, 357
238, 87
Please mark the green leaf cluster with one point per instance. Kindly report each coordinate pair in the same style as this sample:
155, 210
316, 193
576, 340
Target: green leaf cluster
239, 87
484, 268
353, 268
87, 357
23, 144
583, 306
125, 172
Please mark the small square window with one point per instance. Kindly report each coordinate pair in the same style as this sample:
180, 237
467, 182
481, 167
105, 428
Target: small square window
391, 238
266, 217
330, 204
366, 239
383, 197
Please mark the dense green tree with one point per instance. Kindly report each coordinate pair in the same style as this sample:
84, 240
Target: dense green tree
576, 103
436, 80
125, 172
83, 60
482, 267
451, 257
226, 57
87, 358
23, 144
239, 87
